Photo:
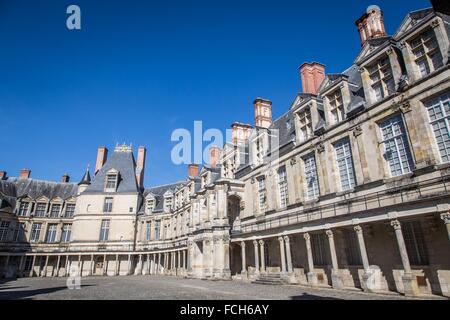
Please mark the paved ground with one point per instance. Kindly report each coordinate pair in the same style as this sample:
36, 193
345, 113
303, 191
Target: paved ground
167, 288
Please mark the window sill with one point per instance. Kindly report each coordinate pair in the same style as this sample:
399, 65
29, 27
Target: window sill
346, 192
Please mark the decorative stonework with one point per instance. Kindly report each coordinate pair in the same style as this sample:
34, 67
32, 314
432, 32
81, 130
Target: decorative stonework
320, 147
286, 239
435, 23
358, 229
446, 218
307, 236
357, 131
293, 161
396, 224
329, 234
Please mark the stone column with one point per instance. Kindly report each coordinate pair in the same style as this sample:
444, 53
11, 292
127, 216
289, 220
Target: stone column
80, 266
154, 265
287, 244
57, 267
409, 280
44, 272
244, 260
66, 269
148, 264
158, 268
312, 277
336, 278
32, 266
91, 272
362, 247
446, 218
5, 268
138, 270
105, 265
255, 244
117, 266
282, 255
22, 259
184, 260
263, 262
129, 265
179, 260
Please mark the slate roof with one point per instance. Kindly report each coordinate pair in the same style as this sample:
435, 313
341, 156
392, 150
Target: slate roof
124, 163
158, 192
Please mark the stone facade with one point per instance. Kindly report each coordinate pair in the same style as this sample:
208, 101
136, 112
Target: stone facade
347, 189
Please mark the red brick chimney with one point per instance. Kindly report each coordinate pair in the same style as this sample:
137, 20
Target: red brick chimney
2, 175
312, 75
263, 113
140, 166
214, 155
65, 178
193, 170
102, 155
371, 24
25, 173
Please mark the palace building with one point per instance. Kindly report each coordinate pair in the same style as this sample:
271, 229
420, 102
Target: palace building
352, 193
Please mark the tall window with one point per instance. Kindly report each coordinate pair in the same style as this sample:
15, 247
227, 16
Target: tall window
66, 233
336, 107
51, 233
148, 231
23, 209
352, 248
40, 209
111, 181
415, 243
382, 81
283, 187
55, 211
4, 225
35, 232
168, 204
396, 147
19, 232
318, 249
312, 183
345, 164
70, 210
304, 118
108, 205
157, 230
262, 194
104, 230
439, 114
426, 52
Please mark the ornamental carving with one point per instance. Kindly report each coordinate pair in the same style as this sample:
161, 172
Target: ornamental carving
435, 23
358, 229
329, 233
357, 131
396, 225
320, 147
307, 237
446, 218
293, 161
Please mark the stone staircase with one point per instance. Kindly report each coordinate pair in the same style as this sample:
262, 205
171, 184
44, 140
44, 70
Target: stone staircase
270, 279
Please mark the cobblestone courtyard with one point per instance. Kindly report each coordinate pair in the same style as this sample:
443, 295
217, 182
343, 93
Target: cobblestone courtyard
167, 288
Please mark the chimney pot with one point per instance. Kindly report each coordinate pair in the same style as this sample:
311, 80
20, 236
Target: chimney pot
140, 166
240, 132
312, 75
2, 175
102, 155
263, 113
25, 173
371, 24
65, 178
193, 170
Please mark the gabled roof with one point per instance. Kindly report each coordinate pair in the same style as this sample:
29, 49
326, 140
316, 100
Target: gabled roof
412, 20
124, 163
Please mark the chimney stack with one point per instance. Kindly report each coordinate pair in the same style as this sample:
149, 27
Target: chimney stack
263, 112
2, 175
214, 155
102, 155
25, 173
240, 132
193, 170
65, 178
371, 25
312, 75
140, 166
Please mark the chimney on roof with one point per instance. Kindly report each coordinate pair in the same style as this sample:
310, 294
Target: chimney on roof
140, 166
214, 155
371, 24
65, 178
240, 132
2, 175
25, 173
263, 113
193, 170
102, 155
312, 75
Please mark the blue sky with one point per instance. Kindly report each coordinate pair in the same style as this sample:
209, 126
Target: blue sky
137, 70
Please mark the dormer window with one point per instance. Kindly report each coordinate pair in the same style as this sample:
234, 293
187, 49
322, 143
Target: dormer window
305, 124
168, 201
111, 181
381, 79
336, 104
40, 209
23, 209
151, 204
426, 53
